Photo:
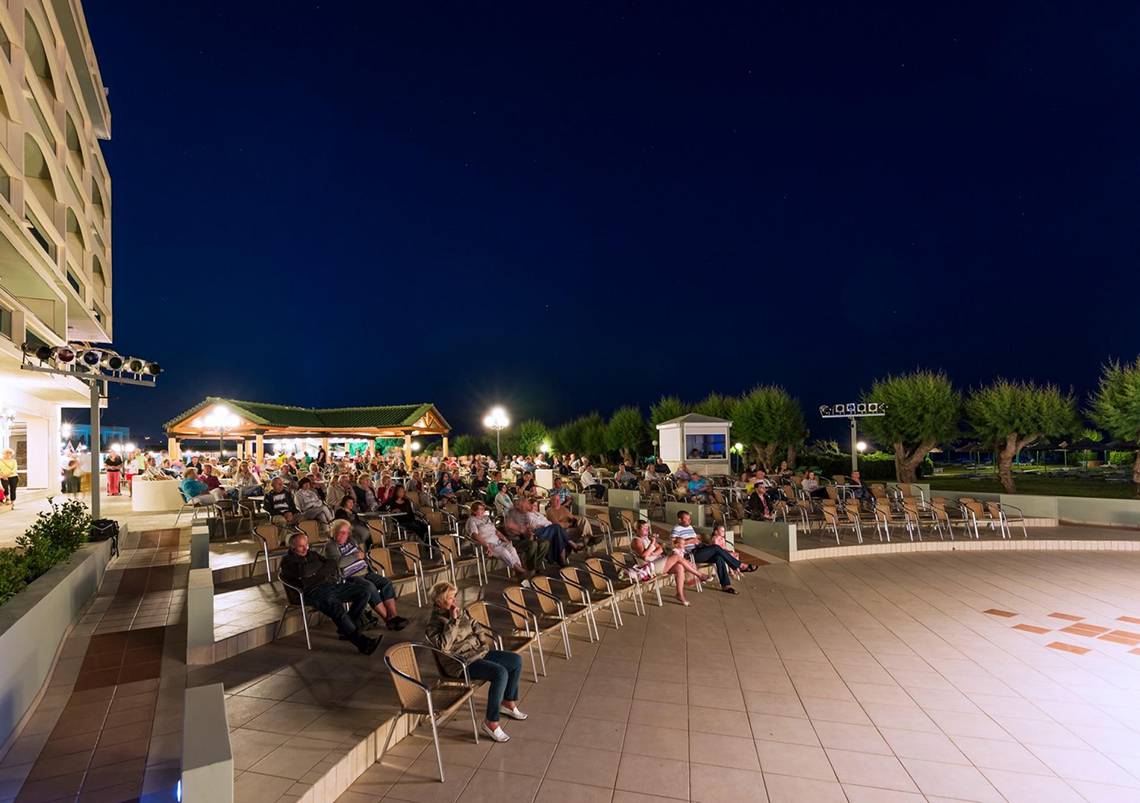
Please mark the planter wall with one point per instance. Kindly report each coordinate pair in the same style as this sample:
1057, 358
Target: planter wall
34, 623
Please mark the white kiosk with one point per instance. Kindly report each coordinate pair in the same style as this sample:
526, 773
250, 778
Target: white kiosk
699, 441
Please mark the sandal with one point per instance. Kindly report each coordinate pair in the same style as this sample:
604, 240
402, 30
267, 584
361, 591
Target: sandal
729, 590
748, 567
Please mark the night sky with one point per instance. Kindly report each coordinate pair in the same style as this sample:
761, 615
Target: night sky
567, 207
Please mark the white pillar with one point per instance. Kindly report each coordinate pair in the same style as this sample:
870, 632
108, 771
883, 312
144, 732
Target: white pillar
38, 448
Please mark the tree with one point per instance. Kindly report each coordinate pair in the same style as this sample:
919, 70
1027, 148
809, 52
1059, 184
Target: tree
625, 432
567, 438
1116, 406
666, 408
768, 419
922, 411
1012, 415
525, 438
716, 405
594, 435
471, 444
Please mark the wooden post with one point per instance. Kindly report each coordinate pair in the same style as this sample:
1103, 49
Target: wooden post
445, 446
260, 448
172, 450
408, 451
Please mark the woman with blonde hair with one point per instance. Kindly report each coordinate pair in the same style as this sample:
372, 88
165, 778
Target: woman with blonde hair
453, 631
654, 559
9, 476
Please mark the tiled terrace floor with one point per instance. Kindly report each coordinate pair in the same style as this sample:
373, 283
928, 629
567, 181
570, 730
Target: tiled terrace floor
109, 726
886, 678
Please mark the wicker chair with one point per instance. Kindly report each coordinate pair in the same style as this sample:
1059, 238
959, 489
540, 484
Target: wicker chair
437, 701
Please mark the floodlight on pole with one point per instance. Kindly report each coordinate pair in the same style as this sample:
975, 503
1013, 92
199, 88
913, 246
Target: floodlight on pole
853, 411
498, 421
861, 446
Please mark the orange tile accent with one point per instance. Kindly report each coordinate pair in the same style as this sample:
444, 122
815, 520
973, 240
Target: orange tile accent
1130, 619
1084, 630
999, 612
1067, 616
1031, 628
1135, 651
1060, 645
1115, 639
1127, 634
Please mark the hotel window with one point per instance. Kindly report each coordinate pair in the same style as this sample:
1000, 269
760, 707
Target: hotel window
6, 322
38, 234
76, 285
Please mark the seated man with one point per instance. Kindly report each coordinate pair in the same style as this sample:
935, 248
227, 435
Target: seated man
625, 477
480, 528
339, 490
856, 487
310, 506
278, 503
660, 468
320, 580
347, 511
561, 491
698, 488
527, 543
577, 528
342, 550
686, 537
525, 518
209, 478
590, 484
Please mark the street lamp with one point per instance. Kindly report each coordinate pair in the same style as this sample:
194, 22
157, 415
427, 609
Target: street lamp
861, 446
416, 446
221, 419
498, 421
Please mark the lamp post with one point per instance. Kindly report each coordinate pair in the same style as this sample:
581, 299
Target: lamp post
221, 419
498, 421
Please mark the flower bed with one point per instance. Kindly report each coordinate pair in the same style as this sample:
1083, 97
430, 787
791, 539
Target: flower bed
52, 539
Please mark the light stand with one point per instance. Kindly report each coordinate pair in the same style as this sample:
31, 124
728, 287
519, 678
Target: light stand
852, 411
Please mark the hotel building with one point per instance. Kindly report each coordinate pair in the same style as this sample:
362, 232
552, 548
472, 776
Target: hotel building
55, 218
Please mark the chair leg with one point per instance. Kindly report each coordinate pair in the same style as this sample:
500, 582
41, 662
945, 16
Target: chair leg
435, 738
281, 621
533, 665
616, 613
387, 739
305, 624
474, 724
566, 640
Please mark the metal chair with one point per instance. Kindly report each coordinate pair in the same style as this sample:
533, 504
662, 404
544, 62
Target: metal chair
515, 597
295, 598
519, 637
600, 586
576, 598
999, 512
436, 701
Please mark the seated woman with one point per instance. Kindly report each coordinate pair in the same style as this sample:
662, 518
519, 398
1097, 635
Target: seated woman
625, 477
309, 505
453, 631
658, 560
525, 483
347, 511
246, 482
480, 528
194, 490
366, 500
384, 489
406, 517
348, 556
811, 486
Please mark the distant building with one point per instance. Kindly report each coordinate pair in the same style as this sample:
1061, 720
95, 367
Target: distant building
55, 218
81, 434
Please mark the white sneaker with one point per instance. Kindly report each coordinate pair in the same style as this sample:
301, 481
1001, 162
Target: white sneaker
513, 713
498, 734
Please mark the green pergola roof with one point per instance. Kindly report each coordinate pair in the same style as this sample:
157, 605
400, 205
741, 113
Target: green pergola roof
258, 415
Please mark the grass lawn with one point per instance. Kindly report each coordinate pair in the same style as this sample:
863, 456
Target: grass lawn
1039, 484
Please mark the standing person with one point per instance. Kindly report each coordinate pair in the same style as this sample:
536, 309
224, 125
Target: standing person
113, 465
453, 631
9, 476
70, 475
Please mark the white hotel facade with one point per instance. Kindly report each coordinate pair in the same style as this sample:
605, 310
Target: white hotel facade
55, 218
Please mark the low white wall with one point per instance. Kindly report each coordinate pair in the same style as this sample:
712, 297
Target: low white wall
34, 623
207, 760
1075, 509
774, 537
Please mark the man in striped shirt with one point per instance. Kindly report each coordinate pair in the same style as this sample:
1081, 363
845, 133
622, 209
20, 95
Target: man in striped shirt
341, 549
698, 552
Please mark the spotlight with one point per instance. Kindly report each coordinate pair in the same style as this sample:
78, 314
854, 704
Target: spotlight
113, 362
64, 354
153, 369
135, 365
91, 357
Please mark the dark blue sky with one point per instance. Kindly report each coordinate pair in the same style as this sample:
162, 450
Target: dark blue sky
569, 207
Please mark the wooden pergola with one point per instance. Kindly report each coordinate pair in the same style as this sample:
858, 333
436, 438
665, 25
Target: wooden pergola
249, 423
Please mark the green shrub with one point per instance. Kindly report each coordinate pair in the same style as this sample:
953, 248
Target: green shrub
51, 539
1121, 458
